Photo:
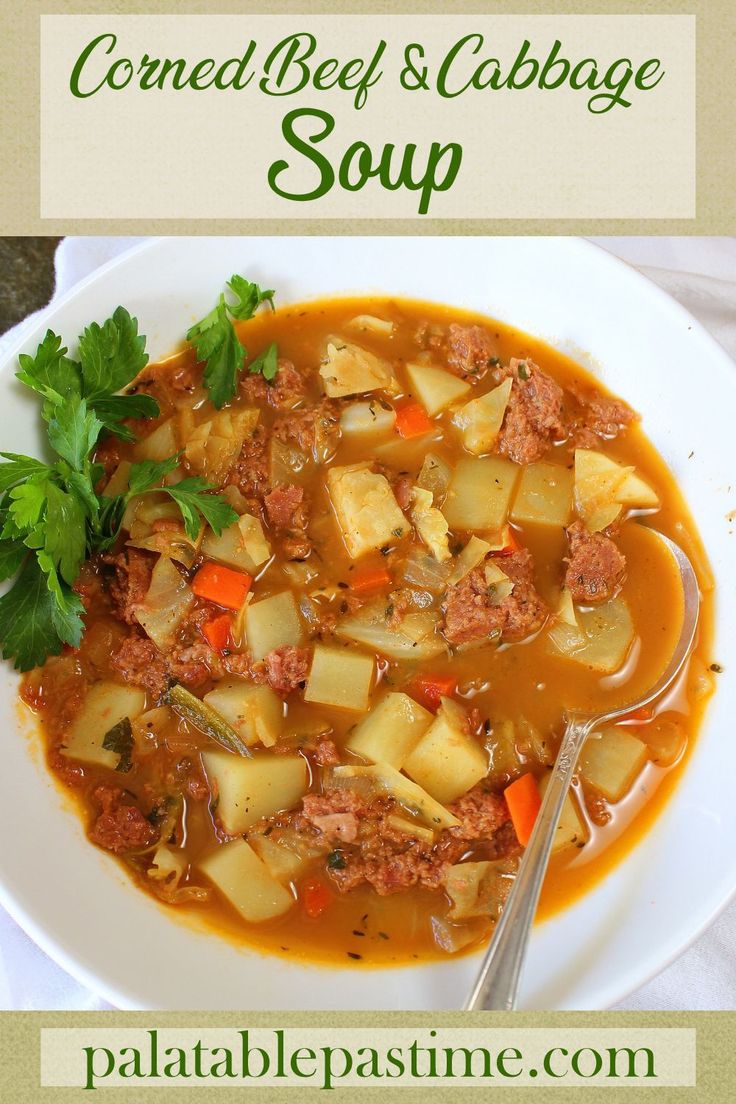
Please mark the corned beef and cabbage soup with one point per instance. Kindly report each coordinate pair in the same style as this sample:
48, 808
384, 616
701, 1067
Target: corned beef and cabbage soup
325, 727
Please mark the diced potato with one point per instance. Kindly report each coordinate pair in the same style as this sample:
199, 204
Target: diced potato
213, 447
348, 369
666, 739
244, 879
255, 712
434, 476
571, 828
272, 623
105, 705
435, 388
391, 730
411, 827
242, 545
417, 639
603, 639
118, 482
498, 583
283, 864
159, 445
430, 524
481, 419
479, 493
611, 760
371, 324
367, 417
603, 487
247, 789
168, 600
340, 677
478, 889
474, 552
447, 762
367, 512
406, 792
544, 496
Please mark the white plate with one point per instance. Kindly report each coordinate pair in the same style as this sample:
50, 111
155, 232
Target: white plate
76, 903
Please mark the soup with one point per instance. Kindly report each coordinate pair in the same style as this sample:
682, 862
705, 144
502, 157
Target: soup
325, 728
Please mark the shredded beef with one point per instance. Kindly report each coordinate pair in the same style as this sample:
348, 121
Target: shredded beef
286, 668
281, 505
599, 416
471, 615
119, 827
250, 473
595, 568
286, 389
314, 430
470, 350
139, 661
128, 586
534, 415
326, 753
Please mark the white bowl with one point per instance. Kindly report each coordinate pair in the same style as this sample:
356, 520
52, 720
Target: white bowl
76, 902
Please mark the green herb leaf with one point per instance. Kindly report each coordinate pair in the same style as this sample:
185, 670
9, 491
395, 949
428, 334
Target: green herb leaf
18, 469
113, 410
12, 555
27, 502
73, 431
65, 538
267, 363
249, 297
120, 741
50, 372
111, 355
149, 473
32, 624
193, 499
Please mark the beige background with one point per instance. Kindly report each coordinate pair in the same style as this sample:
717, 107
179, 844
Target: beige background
716, 151
526, 153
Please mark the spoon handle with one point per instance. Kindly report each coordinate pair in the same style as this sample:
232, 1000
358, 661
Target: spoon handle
497, 984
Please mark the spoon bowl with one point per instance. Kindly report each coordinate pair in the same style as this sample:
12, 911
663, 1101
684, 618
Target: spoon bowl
497, 984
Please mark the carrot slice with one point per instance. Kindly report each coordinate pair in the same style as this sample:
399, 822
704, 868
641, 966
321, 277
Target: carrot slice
316, 897
370, 578
524, 802
430, 688
217, 631
221, 585
412, 420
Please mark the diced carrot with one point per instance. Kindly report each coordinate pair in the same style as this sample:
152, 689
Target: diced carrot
316, 896
217, 631
370, 578
221, 585
506, 543
524, 802
430, 688
412, 420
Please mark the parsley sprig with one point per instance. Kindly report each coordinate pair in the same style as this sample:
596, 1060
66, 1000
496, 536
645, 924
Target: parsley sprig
217, 344
51, 516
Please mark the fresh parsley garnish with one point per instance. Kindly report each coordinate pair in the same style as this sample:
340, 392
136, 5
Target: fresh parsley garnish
51, 516
216, 342
267, 363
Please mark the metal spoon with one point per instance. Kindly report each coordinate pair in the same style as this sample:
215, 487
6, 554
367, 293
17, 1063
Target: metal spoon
497, 984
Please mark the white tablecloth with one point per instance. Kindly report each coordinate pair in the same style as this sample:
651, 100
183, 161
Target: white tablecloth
701, 273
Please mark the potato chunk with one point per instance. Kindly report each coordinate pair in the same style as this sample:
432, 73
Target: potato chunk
571, 828
447, 762
245, 880
544, 496
242, 545
434, 387
611, 760
248, 789
106, 703
340, 677
481, 419
479, 493
272, 623
348, 369
391, 730
367, 512
255, 712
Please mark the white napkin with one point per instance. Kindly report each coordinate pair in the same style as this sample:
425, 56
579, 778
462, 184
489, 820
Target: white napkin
701, 274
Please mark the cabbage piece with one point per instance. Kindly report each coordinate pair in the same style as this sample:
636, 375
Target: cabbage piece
434, 476
214, 445
601, 642
367, 511
387, 779
340, 677
348, 369
417, 638
446, 761
168, 601
481, 419
452, 938
436, 388
479, 889
572, 830
480, 493
242, 545
371, 324
474, 552
284, 864
603, 488
430, 524
423, 571
498, 583
159, 445
287, 464
246, 882
411, 827
118, 482
390, 731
